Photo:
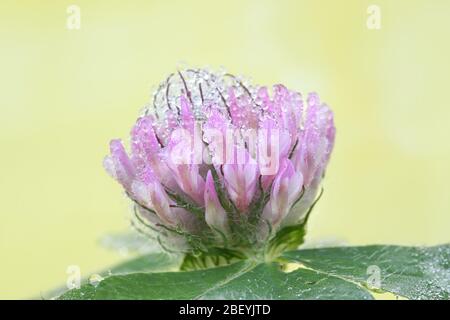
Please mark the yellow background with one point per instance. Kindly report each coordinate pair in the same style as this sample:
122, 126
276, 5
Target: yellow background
65, 93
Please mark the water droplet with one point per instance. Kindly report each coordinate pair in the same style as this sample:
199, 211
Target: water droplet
95, 279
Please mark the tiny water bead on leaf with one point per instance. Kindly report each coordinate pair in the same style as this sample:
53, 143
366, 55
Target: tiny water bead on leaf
221, 169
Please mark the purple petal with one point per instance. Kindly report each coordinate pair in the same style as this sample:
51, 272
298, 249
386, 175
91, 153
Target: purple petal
124, 170
215, 215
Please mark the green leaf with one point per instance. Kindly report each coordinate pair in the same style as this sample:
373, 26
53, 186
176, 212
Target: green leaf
410, 272
329, 273
242, 280
153, 262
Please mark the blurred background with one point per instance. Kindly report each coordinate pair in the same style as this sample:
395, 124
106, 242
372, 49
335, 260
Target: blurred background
65, 93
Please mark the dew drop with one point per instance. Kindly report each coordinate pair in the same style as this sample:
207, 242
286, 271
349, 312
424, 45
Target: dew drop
95, 279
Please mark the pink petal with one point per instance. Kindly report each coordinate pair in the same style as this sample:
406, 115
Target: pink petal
185, 174
187, 117
241, 180
215, 215
123, 168
286, 189
161, 204
316, 141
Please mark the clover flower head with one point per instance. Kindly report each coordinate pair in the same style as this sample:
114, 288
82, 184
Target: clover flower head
219, 164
